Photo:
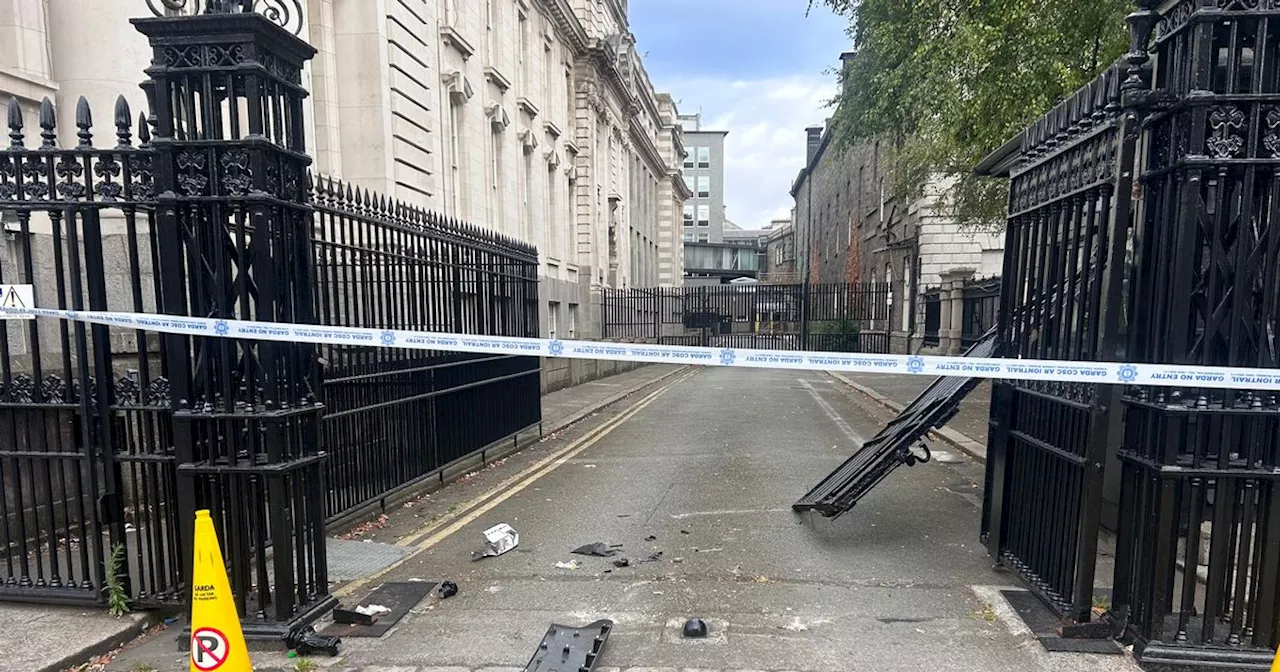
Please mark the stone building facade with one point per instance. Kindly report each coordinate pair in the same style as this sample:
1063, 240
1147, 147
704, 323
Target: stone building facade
534, 118
849, 228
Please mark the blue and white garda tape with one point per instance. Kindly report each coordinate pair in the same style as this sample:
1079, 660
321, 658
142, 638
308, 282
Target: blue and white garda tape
921, 365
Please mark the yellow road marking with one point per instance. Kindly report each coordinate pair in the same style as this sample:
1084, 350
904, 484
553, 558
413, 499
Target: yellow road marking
505, 490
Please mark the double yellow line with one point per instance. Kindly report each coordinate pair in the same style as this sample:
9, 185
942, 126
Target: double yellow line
437, 531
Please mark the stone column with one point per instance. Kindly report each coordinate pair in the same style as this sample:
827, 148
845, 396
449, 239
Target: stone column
951, 326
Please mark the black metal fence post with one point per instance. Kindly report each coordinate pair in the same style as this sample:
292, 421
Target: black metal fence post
236, 243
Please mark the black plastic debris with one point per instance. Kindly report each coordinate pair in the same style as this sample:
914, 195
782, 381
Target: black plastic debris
352, 617
306, 641
448, 589
684, 531
621, 562
695, 628
564, 649
598, 549
651, 538
654, 557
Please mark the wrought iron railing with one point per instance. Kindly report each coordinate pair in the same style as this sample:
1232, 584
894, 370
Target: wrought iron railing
785, 317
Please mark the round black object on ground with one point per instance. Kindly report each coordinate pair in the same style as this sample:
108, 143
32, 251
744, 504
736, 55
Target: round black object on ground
695, 628
448, 589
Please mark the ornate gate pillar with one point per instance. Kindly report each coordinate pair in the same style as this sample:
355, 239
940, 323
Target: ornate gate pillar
235, 241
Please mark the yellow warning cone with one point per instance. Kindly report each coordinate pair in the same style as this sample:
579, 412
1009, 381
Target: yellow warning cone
217, 643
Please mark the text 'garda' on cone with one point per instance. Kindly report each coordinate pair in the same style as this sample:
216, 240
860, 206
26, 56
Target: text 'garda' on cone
217, 643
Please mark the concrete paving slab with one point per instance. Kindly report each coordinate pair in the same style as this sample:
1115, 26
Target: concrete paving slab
38, 638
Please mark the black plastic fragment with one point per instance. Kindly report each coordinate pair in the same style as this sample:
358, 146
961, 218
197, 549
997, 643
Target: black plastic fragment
598, 549
351, 617
448, 589
566, 649
307, 641
695, 628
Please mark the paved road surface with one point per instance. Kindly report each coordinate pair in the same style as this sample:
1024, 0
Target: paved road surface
709, 467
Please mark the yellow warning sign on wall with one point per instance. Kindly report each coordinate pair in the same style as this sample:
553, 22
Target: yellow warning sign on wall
17, 296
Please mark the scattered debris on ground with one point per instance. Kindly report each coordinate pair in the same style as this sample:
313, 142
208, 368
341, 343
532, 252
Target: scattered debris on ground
622, 562
599, 549
695, 628
498, 540
651, 538
306, 641
572, 564
365, 528
565, 648
448, 589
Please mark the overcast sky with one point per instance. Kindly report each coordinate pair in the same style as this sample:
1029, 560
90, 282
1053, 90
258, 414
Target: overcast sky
757, 68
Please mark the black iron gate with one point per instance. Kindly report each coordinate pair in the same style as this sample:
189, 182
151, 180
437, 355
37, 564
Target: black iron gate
1198, 550
1068, 213
829, 317
110, 439
1186, 273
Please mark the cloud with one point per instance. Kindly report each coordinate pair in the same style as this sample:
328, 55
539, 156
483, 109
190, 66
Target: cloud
765, 148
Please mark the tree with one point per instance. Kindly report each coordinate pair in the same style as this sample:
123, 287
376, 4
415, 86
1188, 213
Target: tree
948, 81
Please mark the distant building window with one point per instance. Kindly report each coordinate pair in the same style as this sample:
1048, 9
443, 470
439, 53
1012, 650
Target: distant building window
704, 186
704, 237
704, 157
688, 215
704, 215
688, 182
688, 159
688, 237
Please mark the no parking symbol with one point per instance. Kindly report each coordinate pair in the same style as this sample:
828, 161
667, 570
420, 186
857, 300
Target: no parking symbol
209, 649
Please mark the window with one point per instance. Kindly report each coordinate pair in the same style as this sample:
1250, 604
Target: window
688, 159
572, 331
492, 29
688, 238
704, 186
524, 55
526, 202
553, 309
547, 60
704, 237
688, 181
688, 215
704, 215
497, 214
704, 157
571, 101
457, 173
549, 223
